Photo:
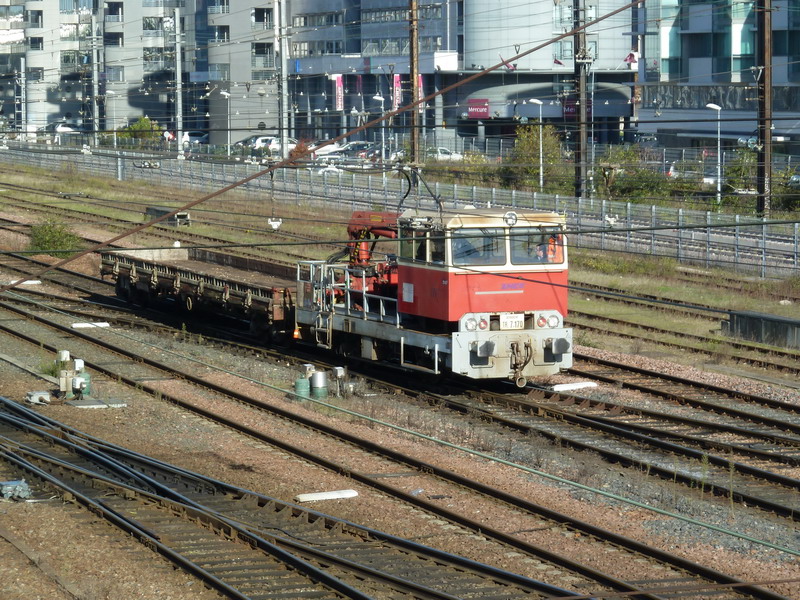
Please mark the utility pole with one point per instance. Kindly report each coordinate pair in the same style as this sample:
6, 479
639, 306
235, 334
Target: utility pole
416, 93
283, 91
21, 99
178, 82
95, 81
764, 36
582, 61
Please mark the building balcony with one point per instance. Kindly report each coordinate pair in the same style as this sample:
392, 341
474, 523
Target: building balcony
263, 62
164, 3
151, 66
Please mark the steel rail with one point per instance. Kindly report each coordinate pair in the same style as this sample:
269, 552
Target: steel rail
116, 462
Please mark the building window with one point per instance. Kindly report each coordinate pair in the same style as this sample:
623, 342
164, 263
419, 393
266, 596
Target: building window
113, 12
34, 18
217, 7
263, 56
12, 16
316, 48
261, 18
113, 39
74, 60
222, 33
76, 6
69, 31
299, 49
152, 26
36, 43
153, 59
563, 50
219, 71
115, 74
697, 45
319, 20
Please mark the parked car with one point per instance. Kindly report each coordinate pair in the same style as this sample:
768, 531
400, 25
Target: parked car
646, 140
64, 127
196, 137
251, 141
349, 151
322, 151
266, 143
794, 181
686, 170
374, 153
443, 154
710, 177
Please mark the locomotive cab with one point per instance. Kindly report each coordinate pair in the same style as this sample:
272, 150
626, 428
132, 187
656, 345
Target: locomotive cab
496, 282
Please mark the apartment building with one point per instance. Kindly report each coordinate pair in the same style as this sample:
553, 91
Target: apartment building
705, 53
103, 65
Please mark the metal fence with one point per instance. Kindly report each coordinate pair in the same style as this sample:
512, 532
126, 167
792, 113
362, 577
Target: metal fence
742, 243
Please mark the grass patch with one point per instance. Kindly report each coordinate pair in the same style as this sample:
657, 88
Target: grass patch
619, 263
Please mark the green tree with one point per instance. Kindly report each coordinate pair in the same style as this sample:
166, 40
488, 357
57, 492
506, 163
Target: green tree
620, 175
474, 169
521, 168
143, 129
785, 197
740, 173
54, 238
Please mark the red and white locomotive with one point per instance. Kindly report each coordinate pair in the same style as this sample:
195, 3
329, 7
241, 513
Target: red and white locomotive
478, 293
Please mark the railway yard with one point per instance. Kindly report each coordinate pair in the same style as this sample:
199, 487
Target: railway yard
676, 476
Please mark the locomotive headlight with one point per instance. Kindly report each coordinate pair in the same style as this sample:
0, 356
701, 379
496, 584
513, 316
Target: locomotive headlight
483, 324
470, 324
552, 321
541, 321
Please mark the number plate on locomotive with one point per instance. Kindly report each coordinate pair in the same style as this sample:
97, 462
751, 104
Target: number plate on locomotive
512, 321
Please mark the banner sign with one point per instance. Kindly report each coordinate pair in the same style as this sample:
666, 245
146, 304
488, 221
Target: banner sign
339, 89
478, 108
397, 92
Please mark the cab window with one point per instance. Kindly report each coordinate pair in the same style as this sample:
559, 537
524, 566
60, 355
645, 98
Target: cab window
478, 247
536, 245
407, 242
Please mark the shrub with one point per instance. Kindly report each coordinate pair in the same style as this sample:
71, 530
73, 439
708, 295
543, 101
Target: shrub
51, 237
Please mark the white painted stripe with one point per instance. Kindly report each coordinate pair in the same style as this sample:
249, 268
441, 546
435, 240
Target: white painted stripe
335, 495
499, 292
572, 386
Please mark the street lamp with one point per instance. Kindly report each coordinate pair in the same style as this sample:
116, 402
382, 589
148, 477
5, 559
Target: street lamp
718, 108
541, 150
383, 129
113, 95
227, 96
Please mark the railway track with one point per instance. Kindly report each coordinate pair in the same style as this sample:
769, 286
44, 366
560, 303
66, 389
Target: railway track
241, 543
760, 356
246, 240
671, 570
723, 480
661, 453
